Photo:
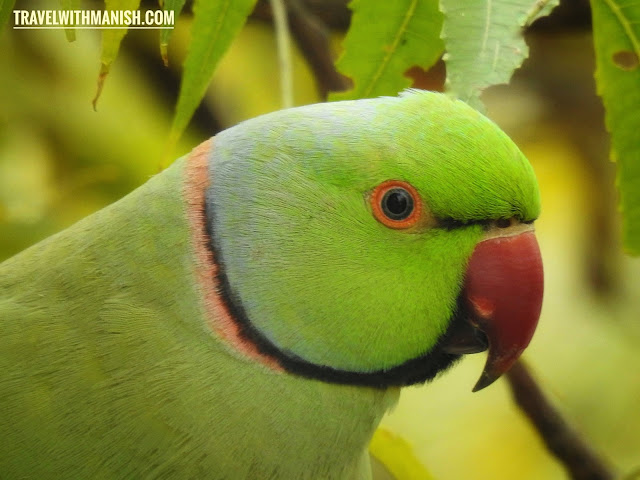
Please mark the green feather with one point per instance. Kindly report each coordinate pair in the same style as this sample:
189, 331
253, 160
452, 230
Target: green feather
108, 364
107, 367
316, 272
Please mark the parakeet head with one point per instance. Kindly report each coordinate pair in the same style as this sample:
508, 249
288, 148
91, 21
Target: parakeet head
373, 242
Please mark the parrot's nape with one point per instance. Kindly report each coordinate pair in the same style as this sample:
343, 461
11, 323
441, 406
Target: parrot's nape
251, 311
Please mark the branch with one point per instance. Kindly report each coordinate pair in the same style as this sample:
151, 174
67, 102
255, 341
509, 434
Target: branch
312, 37
281, 26
578, 458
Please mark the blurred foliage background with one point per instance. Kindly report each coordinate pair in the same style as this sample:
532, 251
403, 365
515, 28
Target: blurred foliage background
60, 161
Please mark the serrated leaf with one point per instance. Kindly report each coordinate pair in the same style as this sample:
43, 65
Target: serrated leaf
616, 35
69, 5
111, 39
6, 7
484, 43
165, 34
215, 25
385, 39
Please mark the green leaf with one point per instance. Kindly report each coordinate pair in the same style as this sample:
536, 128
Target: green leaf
6, 8
176, 6
70, 33
385, 39
616, 35
111, 39
484, 42
215, 25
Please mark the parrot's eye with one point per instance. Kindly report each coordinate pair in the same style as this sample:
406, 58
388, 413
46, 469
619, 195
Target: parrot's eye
396, 204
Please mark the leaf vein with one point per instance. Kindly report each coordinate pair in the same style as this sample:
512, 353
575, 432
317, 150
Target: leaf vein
487, 24
626, 25
387, 58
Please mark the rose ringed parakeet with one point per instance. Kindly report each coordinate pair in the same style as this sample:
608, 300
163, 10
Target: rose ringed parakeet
251, 311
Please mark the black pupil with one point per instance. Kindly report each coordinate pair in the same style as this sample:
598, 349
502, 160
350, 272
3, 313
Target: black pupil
397, 204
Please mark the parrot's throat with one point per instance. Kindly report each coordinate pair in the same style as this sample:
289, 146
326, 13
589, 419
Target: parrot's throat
229, 321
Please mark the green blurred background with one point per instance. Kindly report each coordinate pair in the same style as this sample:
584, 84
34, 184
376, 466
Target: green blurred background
60, 161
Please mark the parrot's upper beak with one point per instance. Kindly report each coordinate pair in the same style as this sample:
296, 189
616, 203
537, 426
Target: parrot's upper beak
503, 298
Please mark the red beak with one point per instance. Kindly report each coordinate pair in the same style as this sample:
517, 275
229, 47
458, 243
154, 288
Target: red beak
503, 290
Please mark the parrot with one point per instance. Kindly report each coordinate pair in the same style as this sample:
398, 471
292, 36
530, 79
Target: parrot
253, 310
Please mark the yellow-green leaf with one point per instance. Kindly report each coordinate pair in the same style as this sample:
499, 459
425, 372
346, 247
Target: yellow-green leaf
111, 39
6, 7
69, 5
616, 34
484, 43
385, 39
396, 456
215, 25
165, 34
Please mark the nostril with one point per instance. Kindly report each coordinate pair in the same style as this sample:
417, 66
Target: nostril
503, 223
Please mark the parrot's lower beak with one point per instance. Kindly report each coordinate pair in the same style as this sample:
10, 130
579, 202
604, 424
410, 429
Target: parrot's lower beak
503, 298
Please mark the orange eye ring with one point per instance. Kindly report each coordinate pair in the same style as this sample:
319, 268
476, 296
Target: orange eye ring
396, 204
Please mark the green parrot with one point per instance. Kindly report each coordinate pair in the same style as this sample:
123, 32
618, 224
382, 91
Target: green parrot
252, 311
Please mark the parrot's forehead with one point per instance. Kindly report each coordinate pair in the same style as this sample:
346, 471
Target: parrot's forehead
461, 163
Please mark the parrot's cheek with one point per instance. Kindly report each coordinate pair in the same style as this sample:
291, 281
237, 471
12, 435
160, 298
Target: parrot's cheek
503, 293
